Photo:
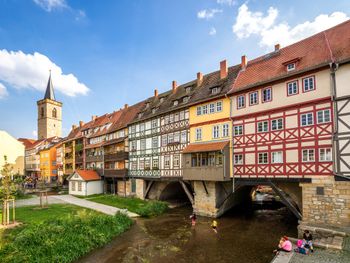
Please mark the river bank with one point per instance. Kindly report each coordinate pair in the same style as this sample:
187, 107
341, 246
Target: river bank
244, 235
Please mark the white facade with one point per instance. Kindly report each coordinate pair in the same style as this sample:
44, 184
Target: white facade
78, 186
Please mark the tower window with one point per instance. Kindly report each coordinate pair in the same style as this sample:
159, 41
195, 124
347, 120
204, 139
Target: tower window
42, 112
54, 113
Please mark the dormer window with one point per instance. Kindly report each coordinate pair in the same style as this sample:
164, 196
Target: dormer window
188, 90
176, 102
140, 115
147, 104
161, 99
154, 110
185, 99
215, 90
290, 66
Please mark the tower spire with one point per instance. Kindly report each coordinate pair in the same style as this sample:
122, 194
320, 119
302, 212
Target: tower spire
49, 94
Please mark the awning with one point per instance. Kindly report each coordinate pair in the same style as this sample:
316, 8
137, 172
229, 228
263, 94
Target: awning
205, 147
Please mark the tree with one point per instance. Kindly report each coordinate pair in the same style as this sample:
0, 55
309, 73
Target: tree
7, 191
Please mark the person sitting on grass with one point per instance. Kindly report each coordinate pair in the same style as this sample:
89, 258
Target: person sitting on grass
284, 245
307, 239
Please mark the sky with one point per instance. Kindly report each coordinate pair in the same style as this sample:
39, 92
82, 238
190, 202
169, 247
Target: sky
104, 54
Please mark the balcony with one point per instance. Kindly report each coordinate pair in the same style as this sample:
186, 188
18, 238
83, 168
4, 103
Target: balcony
120, 173
94, 158
119, 156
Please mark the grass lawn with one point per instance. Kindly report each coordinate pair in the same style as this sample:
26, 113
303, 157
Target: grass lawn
145, 208
60, 233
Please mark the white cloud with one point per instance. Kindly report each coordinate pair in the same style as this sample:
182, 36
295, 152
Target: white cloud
256, 23
35, 133
212, 31
226, 2
30, 71
80, 14
3, 91
49, 5
208, 13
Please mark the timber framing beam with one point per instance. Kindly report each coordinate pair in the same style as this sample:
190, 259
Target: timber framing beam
148, 188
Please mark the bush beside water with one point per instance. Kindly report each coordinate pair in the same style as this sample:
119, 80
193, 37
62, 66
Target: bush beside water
62, 239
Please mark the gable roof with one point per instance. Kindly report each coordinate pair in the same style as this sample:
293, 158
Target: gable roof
313, 52
26, 142
87, 175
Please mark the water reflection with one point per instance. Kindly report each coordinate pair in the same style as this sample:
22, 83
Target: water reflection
244, 235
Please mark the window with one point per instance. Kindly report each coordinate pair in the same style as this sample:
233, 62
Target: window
183, 136
277, 124
199, 110
133, 146
292, 88
241, 101
167, 161
263, 126
266, 95
164, 140
225, 130
143, 144
176, 102
155, 164
238, 158
308, 84
171, 118
263, 158
325, 155
154, 110
276, 157
142, 164
154, 142
42, 112
80, 186
147, 164
308, 155
198, 134
238, 130
154, 123
307, 119
73, 186
219, 106
188, 90
170, 138
216, 131
54, 113
253, 98
176, 117
185, 99
323, 116
161, 99
140, 114
177, 137
205, 109
211, 108
290, 66
215, 90
142, 127
133, 129
176, 160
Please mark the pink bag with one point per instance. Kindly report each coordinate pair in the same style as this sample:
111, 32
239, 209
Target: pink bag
299, 243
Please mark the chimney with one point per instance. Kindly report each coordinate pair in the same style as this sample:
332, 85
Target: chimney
223, 69
156, 93
174, 86
199, 78
93, 117
81, 124
244, 61
74, 127
126, 106
277, 47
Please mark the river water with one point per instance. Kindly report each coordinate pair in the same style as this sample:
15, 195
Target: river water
244, 236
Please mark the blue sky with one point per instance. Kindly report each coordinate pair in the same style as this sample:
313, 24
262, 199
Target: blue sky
104, 54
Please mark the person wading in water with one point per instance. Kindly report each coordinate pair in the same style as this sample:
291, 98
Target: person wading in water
193, 218
214, 226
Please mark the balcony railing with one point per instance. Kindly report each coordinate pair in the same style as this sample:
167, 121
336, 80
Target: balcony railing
94, 158
119, 156
117, 173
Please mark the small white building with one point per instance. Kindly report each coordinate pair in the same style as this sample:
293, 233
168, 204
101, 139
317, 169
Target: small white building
85, 182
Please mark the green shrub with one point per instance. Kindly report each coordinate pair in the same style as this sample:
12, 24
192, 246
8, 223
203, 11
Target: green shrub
152, 208
63, 240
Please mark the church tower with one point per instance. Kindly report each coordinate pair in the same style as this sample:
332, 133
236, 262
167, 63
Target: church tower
49, 114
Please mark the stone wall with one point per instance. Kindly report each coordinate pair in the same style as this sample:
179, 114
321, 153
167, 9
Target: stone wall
124, 188
326, 202
140, 188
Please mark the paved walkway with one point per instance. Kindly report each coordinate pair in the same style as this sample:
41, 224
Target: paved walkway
36, 201
106, 209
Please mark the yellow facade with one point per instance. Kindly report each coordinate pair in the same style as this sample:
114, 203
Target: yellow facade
210, 119
13, 150
48, 166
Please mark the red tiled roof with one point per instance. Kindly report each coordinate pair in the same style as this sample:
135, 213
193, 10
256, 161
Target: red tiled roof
27, 142
205, 147
88, 175
313, 52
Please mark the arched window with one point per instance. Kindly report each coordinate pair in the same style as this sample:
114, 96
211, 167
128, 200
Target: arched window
54, 113
42, 112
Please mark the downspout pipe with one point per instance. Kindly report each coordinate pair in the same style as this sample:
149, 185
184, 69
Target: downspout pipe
231, 142
336, 161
